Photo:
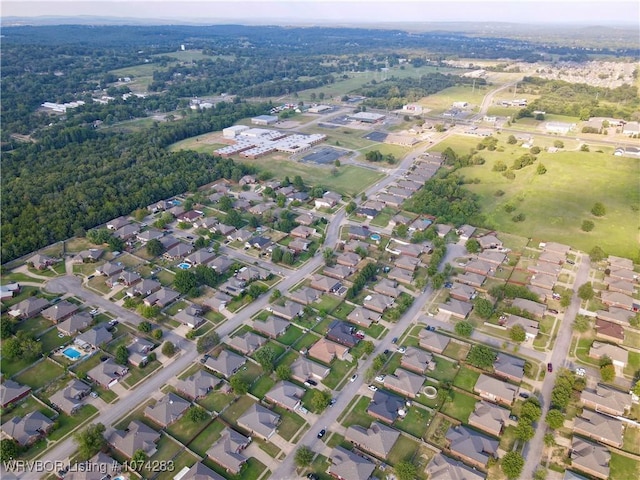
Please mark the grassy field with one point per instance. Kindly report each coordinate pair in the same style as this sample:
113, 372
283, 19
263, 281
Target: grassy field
40, 374
623, 468
443, 100
459, 406
556, 203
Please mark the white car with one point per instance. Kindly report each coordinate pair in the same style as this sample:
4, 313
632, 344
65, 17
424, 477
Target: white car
402, 350
373, 388
94, 394
380, 378
93, 312
581, 372
353, 378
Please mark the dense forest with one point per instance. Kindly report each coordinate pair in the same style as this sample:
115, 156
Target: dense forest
61, 175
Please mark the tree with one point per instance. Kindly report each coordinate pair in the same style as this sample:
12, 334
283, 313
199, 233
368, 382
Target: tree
406, 470
303, 457
596, 254
168, 349
636, 389
517, 333
155, 247
549, 439
464, 329
511, 140
9, 449
540, 474
145, 327
90, 440
197, 414
276, 294
472, 245
157, 333
138, 459
351, 207
484, 308
276, 255
512, 464
122, 355
524, 430
239, 386
608, 372
320, 400
369, 347
584, 147
207, 342
283, 372
598, 209
585, 291
184, 281
558, 143
402, 230
541, 169
288, 258
587, 225
481, 356
554, 418
531, 409
265, 357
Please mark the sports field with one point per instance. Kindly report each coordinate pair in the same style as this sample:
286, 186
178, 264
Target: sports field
556, 203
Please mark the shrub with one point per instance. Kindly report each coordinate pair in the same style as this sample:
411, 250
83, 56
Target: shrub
587, 225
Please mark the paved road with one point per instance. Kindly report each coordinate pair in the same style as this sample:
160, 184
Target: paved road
558, 357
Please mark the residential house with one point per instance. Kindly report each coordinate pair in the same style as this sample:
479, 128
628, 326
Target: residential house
616, 315
163, 297
408, 254
144, 288
190, 315
117, 223
552, 257
544, 281
385, 406
606, 399
390, 200
302, 231
151, 234
178, 252
531, 327
137, 436
328, 200
198, 471
139, 350
495, 390
401, 275
609, 331
363, 317
221, 264
288, 311
247, 274
303, 369
399, 192
191, 216
534, 308
359, 232
554, 247
346, 465
326, 350
348, 259
127, 232
621, 286
400, 219
420, 224
616, 299
168, 410
70, 398
129, 279
387, 287
233, 286
511, 368
304, 295
225, 230
417, 360
324, 284
218, 302
620, 263
472, 279
28, 429
259, 421
168, 242
200, 257
286, 394
619, 356
377, 302
93, 338
442, 467
411, 186
590, 458
378, 439
471, 447
479, 266
298, 197
247, 342
41, 262
599, 427
404, 382
305, 219
226, 364
366, 212
462, 292
492, 257
261, 208
60, 311
88, 256
74, 324
197, 385
465, 232
339, 271
12, 392
299, 245
433, 341
342, 333
546, 268
489, 418
259, 243
489, 242
456, 308
9, 290
354, 245
94, 468
272, 327
443, 230
107, 373
208, 223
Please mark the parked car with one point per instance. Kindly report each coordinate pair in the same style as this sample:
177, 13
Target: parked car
571, 262
402, 349
523, 395
94, 394
394, 340
549, 367
310, 383
332, 402
380, 378
581, 372
313, 476
553, 311
448, 285
353, 377
322, 432
513, 417
386, 352
373, 388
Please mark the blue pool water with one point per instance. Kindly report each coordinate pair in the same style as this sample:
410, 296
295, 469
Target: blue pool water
375, 236
71, 353
184, 266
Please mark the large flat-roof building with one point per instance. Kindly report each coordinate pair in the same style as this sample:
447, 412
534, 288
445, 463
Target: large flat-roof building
366, 117
264, 120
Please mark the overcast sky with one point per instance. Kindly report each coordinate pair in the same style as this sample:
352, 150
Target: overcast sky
590, 12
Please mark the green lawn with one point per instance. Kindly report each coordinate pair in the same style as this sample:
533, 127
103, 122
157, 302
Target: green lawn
328, 303
404, 449
209, 435
184, 459
623, 467
215, 401
262, 386
236, 409
39, 375
631, 440
34, 326
290, 423
457, 350
66, 423
415, 422
136, 374
445, 370
466, 379
250, 372
437, 431
459, 406
167, 449
358, 415
339, 371
508, 438
252, 470
306, 341
185, 430
292, 334
343, 311
27, 405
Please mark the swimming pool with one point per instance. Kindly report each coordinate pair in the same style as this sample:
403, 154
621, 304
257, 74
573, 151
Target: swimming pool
184, 266
71, 353
375, 237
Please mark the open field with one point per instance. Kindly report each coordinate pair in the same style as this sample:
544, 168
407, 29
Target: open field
443, 100
556, 203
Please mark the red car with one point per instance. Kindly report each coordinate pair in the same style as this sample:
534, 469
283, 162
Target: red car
549, 367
